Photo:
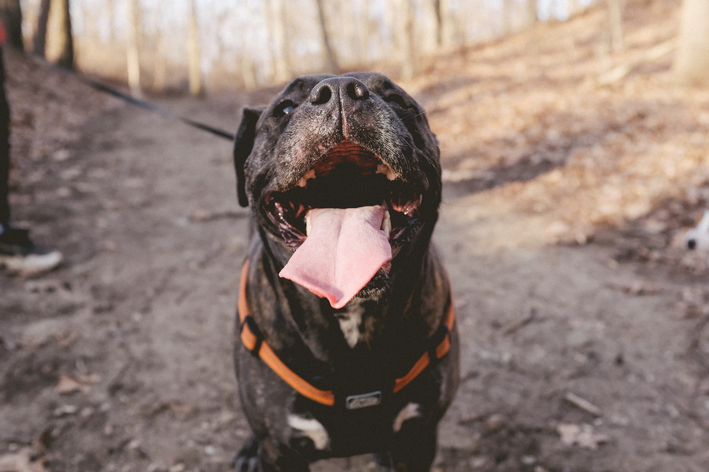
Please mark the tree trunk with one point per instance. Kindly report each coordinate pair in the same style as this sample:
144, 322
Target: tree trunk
507, 7
365, 33
248, 73
330, 59
133, 51
270, 38
438, 22
283, 69
160, 73
615, 16
193, 55
447, 23
110, 8
11, 16
39, 41
532, 17
691, 65
60, 44
409, 64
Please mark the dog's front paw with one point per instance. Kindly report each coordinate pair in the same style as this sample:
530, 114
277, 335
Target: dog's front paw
246, 460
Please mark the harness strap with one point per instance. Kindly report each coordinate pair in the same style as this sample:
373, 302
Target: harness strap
254, 341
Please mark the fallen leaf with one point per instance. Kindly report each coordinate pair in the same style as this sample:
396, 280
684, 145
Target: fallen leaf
21, 461
66, 339
68, 384
582, 436
65, 410
180, 410
74, 383
638, 288
88, 378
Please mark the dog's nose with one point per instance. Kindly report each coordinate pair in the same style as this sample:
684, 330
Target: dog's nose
332, 90
691, 244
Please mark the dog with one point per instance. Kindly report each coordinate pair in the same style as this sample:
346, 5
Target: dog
698, 237
346, 340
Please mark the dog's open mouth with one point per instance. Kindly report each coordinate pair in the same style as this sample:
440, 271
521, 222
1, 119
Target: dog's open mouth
347, 217
349, 176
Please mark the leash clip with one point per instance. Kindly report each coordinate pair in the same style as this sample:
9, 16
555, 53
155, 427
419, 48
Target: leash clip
364, 400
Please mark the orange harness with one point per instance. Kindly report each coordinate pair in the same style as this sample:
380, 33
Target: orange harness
254, 342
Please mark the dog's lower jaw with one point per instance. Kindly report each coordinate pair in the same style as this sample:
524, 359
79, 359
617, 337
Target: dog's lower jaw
376, 288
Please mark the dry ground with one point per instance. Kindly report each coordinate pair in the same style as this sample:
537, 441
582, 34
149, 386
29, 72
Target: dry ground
565, 199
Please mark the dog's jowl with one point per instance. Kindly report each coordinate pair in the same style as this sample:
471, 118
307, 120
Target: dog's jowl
346, 338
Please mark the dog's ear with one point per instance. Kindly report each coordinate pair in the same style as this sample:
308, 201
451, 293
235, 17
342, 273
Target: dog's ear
243, 144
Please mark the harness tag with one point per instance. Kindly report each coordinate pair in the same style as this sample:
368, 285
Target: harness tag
364, 400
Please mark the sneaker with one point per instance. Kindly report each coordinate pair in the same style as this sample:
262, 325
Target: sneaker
19, 255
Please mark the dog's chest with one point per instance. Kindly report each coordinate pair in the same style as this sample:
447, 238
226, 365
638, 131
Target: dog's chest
359, 322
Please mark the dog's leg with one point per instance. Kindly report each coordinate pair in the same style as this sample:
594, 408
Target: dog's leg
246, 460
414, 448
255, 457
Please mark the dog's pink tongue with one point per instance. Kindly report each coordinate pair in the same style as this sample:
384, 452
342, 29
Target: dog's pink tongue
343, 251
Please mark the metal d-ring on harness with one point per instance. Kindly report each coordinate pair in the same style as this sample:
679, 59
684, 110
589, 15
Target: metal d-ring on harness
253, 341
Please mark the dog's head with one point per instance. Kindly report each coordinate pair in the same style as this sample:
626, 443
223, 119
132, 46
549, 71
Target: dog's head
339, 142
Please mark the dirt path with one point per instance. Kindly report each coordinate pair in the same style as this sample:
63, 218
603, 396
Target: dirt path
140, 320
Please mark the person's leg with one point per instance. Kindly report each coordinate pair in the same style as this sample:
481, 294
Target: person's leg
18, 253
4, 150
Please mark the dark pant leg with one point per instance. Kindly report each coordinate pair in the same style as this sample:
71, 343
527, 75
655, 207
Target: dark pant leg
4, 148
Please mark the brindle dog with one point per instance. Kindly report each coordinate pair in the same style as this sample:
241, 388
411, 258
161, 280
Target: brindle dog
377, 374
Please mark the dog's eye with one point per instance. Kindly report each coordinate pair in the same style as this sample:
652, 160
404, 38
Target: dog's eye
284, 108
396, 100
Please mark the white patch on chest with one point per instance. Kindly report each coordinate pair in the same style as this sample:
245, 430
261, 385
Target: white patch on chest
349, 325
412, 410
312, 429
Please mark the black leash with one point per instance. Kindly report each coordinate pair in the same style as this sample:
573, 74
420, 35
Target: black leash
135, 101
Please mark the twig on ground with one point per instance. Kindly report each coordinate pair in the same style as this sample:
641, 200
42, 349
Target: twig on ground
528, 317
583, 404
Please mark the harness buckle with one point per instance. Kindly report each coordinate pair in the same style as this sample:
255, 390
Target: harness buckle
363, 400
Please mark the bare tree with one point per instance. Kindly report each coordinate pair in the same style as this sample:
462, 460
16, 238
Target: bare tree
133, 51
409, 64
447, 23
691, 65
193, 54
11, 16
364, 31
160, 71
39, 41
443, 22
507, 10
330, 59
277, 37
271, 37
248, 71
110, 8
532, 17
283, 70
60, 43
615, 16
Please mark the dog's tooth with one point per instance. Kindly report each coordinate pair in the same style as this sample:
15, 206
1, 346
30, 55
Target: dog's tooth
303, 182
386, 223
386, 170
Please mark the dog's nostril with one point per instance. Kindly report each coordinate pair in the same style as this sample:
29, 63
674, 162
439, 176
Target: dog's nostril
357, 91
691, 244
321, 95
